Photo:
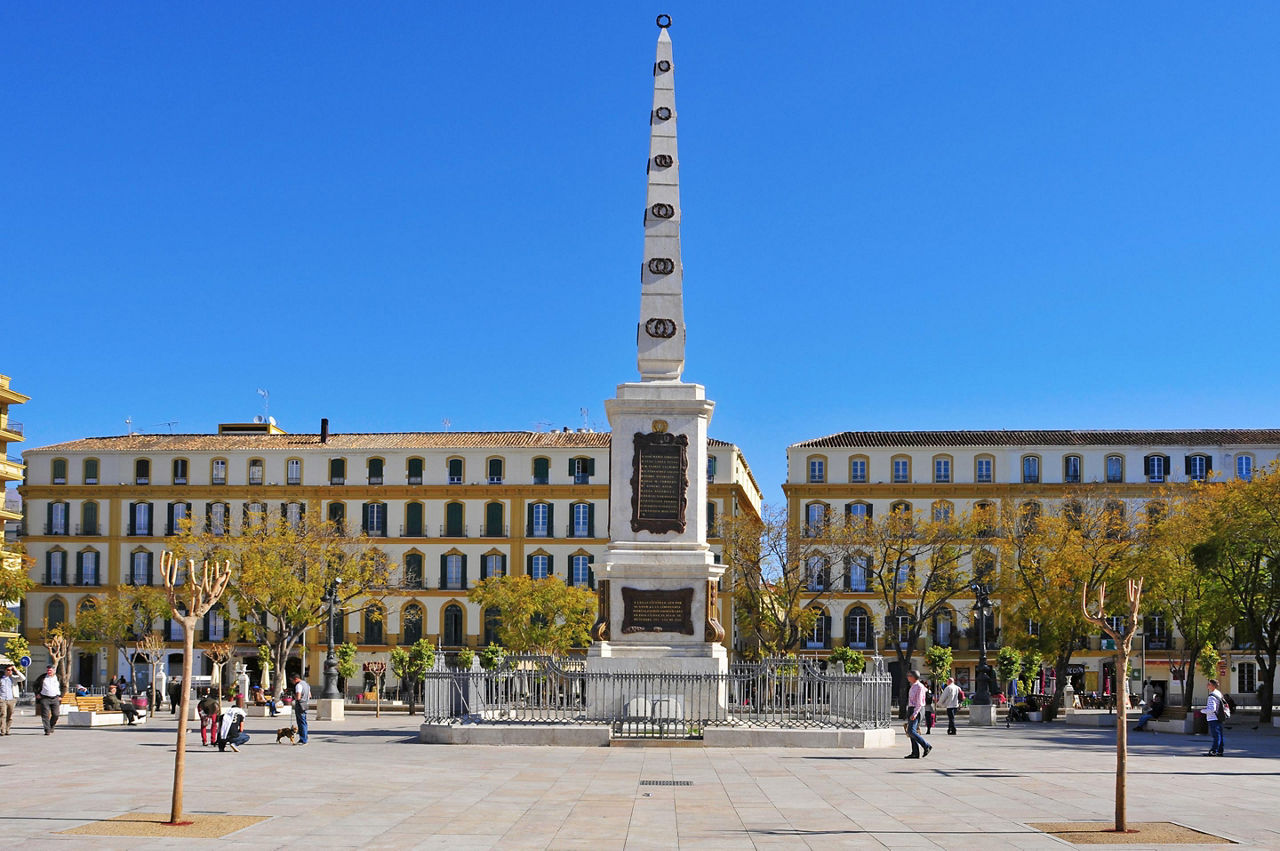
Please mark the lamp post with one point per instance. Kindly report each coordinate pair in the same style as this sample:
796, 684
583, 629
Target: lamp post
330, 691
982, 610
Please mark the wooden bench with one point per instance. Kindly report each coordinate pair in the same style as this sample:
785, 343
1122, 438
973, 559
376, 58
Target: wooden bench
87, 711
1173, 720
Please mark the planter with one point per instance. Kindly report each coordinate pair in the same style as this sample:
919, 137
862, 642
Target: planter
1035, 716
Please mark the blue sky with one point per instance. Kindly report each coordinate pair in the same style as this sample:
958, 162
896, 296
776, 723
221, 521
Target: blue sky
918, 215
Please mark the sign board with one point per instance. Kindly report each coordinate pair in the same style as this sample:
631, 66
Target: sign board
25, 661
657, 611
659, 482
1222, 669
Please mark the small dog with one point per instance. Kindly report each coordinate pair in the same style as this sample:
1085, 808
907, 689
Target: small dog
286, 733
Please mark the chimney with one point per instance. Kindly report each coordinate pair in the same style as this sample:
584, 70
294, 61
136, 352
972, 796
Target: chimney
324, 429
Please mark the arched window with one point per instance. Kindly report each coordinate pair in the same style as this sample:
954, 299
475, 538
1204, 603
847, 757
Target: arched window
494, 520
542, 471
257, 471
858, 469
454, 527
1073, 512
338, 517
540, 520
984, 564
57, 520
373, 623
539, 566
943, 511
1156, 467
91, 471
942, 469
819, 638
944, 628
1113, 516
580, 574
817, 574
901, 507
493, 566
337, 471
218, 517
984, 519
140, 568
815, 518
1244, 467
142, 472
581, 470
492, 626
453, 571
55, 567
413, 473
375, 519
414, 520
218, 471
857, 511
901, 467
293, 471
984, 469
59, 471
495, 471
140, 518
1072, 466
857, 628
411, 624
899, 626
452, 625
181, 469
413, 572
57, 613
1198, 467
375, 471
817, 469
1115, 469
857, 573
1028, 514
87, 569
1030, 469
584, 520
456, 471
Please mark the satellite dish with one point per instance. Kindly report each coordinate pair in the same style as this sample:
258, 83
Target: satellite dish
271, 420
258, 419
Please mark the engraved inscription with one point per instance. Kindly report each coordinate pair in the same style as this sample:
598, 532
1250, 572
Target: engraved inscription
662, 265
660, 328
662, 211
657, 611
663, 161
659, 482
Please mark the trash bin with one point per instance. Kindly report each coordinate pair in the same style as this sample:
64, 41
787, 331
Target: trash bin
1200, 724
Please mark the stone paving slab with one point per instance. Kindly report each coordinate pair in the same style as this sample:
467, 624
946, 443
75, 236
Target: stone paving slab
366, 783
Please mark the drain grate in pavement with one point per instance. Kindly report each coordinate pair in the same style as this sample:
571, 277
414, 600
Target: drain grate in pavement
666, 782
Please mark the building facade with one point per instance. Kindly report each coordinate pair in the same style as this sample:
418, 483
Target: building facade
11, 470
446, 508
869, 473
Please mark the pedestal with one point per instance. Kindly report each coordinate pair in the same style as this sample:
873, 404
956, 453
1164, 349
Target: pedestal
982, 716
328, 709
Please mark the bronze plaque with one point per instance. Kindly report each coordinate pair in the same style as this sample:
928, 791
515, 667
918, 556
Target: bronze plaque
657, 611
659, 482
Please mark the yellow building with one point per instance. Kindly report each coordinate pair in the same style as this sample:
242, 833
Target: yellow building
11, 470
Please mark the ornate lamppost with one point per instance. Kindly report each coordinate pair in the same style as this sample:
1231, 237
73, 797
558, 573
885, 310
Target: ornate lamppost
330, 691
982, 610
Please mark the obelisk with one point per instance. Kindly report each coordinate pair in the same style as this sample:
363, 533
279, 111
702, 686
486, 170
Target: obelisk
657, 591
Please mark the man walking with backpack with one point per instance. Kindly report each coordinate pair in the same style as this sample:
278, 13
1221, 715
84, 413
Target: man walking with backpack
1216, 711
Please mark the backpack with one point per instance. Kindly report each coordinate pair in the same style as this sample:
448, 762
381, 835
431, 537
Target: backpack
1229, 705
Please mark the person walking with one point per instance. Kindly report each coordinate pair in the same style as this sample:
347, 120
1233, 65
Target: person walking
301, 698
10, 685
949, 700
1215, 712
48, 689
915, 711
930, 714
208, 708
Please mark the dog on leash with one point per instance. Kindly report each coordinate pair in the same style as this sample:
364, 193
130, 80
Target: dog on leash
286, 733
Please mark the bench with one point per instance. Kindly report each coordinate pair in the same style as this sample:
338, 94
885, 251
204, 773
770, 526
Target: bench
1173, 721
87, 711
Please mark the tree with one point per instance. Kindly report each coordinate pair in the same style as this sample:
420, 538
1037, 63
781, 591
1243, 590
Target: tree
118, 618
346, 653
15, 582
60, 641
151, 648
939, 661
16, 647
917, 564
1123, 638
1008, 664
283, 571
219, 655
1242, 556
1047, 560
778, 577
191, 594
542, 616
411, 665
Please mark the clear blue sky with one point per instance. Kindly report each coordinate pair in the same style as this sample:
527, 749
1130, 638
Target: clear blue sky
919, 215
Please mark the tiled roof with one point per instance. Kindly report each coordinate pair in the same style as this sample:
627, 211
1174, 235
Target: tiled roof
341, 442
1045, 437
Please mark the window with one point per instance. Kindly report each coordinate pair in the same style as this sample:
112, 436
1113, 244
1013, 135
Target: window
1244, 467
901, 470
857, 511
218, 475
984, 564
942, 470
454, 573
142, 518
943, 627
89, 518
293, 471
495, 565
1028, 513
1156, 467
1198, 467
711, 469
817, 470
57, 518
373, 623
142, 472
337, 471
452, 625
858, 469
984, 518
819, 637
711, 519
943, 511
857, 628
539, 520
293, 514
815, 519
1246, 677
984, 469
1071, 469
582, 469
256, 471
857, 572
57, 613
180, 471
492, 626
494, 520
255, 513
59, 471
55, 568
91, 471
413, 472
1113, 519
580, 571
542, 471
414, 520
411, 625
1115, 469
539, 566
1030, 469
338, 517
1156, 632
902, 575
901, 507
899, 624
375, 519
375, 471
413, 570
178, 511
582, 516
454, 527
217, 519
140, 568
495, 471
89, 567
816, 574
455, 471
215, 625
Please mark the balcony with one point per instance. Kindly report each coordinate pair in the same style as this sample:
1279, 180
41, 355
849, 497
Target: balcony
337, 480
8, 425
55, 528
10, 470
375, 480
414, 480
495, 480
447, 531
495, 531
419, 531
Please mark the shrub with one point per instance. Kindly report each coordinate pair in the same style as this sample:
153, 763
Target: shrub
853, 660
464, 658
491, 657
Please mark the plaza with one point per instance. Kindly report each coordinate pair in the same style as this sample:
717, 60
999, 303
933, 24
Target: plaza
364, 783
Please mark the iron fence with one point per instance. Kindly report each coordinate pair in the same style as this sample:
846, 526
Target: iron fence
790, 693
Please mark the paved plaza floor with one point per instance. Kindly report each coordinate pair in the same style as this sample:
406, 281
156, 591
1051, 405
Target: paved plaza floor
366, 783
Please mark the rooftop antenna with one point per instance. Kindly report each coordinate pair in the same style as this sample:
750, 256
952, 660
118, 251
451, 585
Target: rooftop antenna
583, 412
128, 423
542, 425
446, 422
169, 423
266, 402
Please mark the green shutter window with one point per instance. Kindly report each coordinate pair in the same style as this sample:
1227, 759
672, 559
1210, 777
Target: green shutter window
502, 564
493, 516
89, 518
413, 520
551, 520
59, 471
591, 572
551, 569
337, 471
91, 471
464, 573
528, 566
591, 520
364, 518
591, 466
528, 529
453, 527
150, 560
415, 471
455, 471
541, 471
444, 571
573, 468
495, 471
79, 568
48, 519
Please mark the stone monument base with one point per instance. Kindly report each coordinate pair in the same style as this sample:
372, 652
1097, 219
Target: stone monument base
599, 736
329, 709
982, 716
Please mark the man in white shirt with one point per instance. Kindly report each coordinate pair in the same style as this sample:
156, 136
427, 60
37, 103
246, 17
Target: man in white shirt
231, 732
10, 685
1215, 712
915, 711
950, 701
301, 698
48, 689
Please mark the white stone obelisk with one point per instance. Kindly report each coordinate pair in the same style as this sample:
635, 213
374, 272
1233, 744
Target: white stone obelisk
657, 589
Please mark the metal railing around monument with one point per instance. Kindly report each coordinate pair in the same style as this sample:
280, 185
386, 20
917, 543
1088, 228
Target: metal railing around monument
786, 693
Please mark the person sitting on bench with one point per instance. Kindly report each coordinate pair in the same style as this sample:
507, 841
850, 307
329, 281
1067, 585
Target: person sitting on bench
111, 702
1153, 711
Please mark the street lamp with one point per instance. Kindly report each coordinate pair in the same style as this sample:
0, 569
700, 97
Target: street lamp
982, 609
330, 691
